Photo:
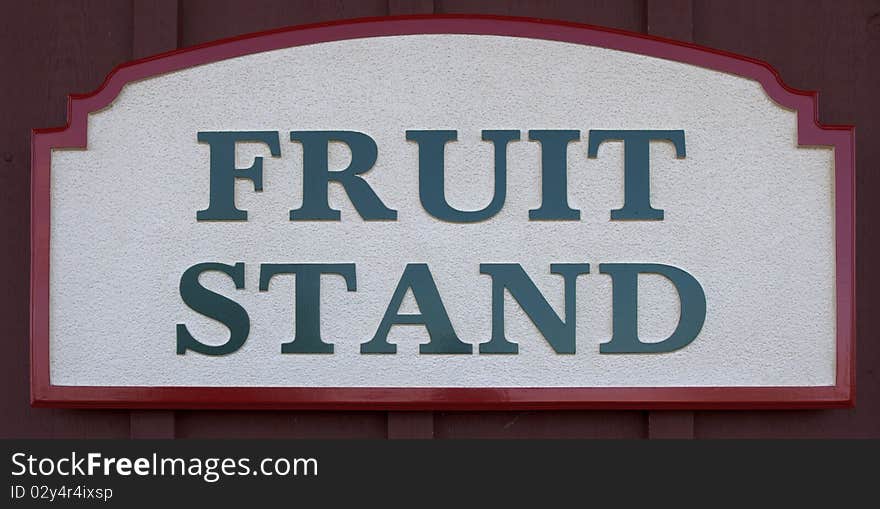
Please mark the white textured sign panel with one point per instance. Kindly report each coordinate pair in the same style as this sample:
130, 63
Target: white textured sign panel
748, 213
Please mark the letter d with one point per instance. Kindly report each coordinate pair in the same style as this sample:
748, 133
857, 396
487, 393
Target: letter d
625, 337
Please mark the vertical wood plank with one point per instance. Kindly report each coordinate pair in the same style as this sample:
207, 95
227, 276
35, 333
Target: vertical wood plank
400, 7
207, 20
154, 27
574, 424
281, 424
154, 30
410, 425
670, 424
673, 19
624, 14
152, 424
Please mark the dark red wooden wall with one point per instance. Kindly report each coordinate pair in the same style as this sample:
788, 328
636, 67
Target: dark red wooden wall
51, 48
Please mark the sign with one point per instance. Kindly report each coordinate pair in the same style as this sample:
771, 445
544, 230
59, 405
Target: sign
447, 212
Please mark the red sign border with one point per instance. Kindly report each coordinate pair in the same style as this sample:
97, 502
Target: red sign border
810, 132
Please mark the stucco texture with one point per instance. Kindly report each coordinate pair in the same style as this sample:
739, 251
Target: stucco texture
748, 213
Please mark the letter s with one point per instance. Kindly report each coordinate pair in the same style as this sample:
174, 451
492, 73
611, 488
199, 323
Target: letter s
213, 305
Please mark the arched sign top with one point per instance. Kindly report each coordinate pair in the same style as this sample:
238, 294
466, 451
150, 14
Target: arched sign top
810, 130
69, 187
